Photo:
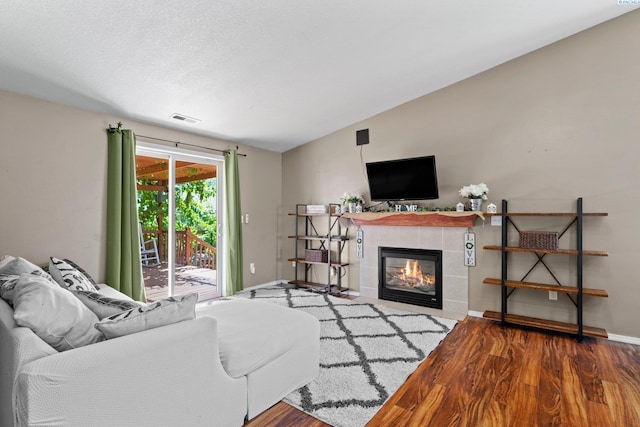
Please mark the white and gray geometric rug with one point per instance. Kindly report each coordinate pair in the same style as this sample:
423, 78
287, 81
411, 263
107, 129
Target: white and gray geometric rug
366, 352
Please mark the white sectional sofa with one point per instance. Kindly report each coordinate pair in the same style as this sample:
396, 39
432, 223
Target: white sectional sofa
235, 359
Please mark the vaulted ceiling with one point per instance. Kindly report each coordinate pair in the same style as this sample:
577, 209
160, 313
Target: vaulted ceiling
272, 74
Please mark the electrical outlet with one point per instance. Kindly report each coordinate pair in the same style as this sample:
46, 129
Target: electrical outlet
252, 268
553, 295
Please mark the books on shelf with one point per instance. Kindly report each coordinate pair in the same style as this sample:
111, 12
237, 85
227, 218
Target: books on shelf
316, 209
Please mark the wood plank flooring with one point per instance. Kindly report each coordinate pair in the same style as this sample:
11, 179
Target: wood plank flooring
483, 375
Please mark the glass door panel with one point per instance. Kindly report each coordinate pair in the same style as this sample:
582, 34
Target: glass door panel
153, 210
178, 203
196, 201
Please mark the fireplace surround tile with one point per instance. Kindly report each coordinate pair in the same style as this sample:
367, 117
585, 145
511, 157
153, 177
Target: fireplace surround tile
453, 264
450, 240
457, 289
453, 238
385, 234
408, 237
430, 237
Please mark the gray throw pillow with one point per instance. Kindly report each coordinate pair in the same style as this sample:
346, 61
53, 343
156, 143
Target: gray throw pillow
18, 266
103, 306
8, 284
160, 313
5, 259
11, 269
52, 313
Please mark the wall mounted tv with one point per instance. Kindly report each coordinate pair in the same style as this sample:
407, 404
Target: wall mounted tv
403, 179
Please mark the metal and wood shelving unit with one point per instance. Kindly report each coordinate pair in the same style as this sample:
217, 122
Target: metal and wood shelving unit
575, 293
312, 234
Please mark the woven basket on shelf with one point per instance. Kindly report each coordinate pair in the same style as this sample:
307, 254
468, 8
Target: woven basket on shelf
316, 255
539, 240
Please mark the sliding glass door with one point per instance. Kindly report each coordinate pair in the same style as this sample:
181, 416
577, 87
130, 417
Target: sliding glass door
179, 200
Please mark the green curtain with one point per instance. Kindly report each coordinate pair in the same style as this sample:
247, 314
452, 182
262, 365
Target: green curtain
233, 228
124, 263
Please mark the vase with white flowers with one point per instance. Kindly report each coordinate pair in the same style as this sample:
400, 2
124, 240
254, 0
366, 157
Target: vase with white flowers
351, 200
476, 193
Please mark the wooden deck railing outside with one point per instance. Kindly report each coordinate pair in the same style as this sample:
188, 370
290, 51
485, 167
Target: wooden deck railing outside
190, 249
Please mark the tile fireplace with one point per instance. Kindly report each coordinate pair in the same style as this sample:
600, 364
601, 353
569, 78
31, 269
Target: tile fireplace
442, 231
449, 240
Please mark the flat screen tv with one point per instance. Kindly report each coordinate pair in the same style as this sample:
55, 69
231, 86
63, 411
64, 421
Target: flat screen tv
403, 179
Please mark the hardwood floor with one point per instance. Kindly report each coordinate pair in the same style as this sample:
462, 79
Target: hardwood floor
482, 375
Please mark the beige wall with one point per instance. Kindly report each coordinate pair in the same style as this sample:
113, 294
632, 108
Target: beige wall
53, 184
541, 131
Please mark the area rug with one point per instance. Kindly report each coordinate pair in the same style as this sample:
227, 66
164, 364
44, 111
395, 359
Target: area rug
366, 352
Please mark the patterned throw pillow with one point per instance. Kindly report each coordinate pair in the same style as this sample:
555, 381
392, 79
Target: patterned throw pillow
5, 259
83, 272
67, 275
11, 269
160, 313
18, 266
53, 314
7, 286
104, 306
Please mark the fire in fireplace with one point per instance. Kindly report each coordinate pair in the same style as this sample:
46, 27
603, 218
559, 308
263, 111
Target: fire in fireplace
412, 276
409, 277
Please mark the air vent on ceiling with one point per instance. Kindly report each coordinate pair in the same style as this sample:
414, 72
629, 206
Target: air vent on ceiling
184, 118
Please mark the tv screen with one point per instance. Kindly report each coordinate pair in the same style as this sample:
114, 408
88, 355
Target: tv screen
403, 179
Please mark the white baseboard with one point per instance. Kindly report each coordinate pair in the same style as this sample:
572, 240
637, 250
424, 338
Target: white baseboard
612, 337
624, 339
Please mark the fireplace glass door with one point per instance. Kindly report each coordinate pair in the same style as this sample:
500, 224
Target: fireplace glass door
412, 276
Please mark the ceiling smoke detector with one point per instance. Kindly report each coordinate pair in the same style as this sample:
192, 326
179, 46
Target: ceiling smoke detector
186, 119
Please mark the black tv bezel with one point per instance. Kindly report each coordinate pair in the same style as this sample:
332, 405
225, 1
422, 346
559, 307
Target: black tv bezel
433, 194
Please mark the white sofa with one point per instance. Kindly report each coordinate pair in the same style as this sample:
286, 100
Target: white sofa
234, 360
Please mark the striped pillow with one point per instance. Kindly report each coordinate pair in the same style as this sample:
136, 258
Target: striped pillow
160, 313
104, 306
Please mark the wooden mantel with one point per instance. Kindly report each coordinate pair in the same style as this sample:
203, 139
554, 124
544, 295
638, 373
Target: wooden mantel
416, 219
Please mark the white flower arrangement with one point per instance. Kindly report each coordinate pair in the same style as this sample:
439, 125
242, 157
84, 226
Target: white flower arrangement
475, 191
351, 198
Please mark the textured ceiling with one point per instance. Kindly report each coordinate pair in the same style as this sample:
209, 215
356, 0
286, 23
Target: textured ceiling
273, 74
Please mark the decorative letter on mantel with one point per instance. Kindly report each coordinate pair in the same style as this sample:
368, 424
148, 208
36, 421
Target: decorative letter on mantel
470, 249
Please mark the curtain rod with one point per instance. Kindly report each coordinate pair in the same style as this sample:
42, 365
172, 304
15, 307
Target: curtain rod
190, 145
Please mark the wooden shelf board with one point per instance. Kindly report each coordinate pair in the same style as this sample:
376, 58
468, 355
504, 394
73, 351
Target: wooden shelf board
550, 325
325, 214
548, 287
545, 251
304, 261
562, 214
